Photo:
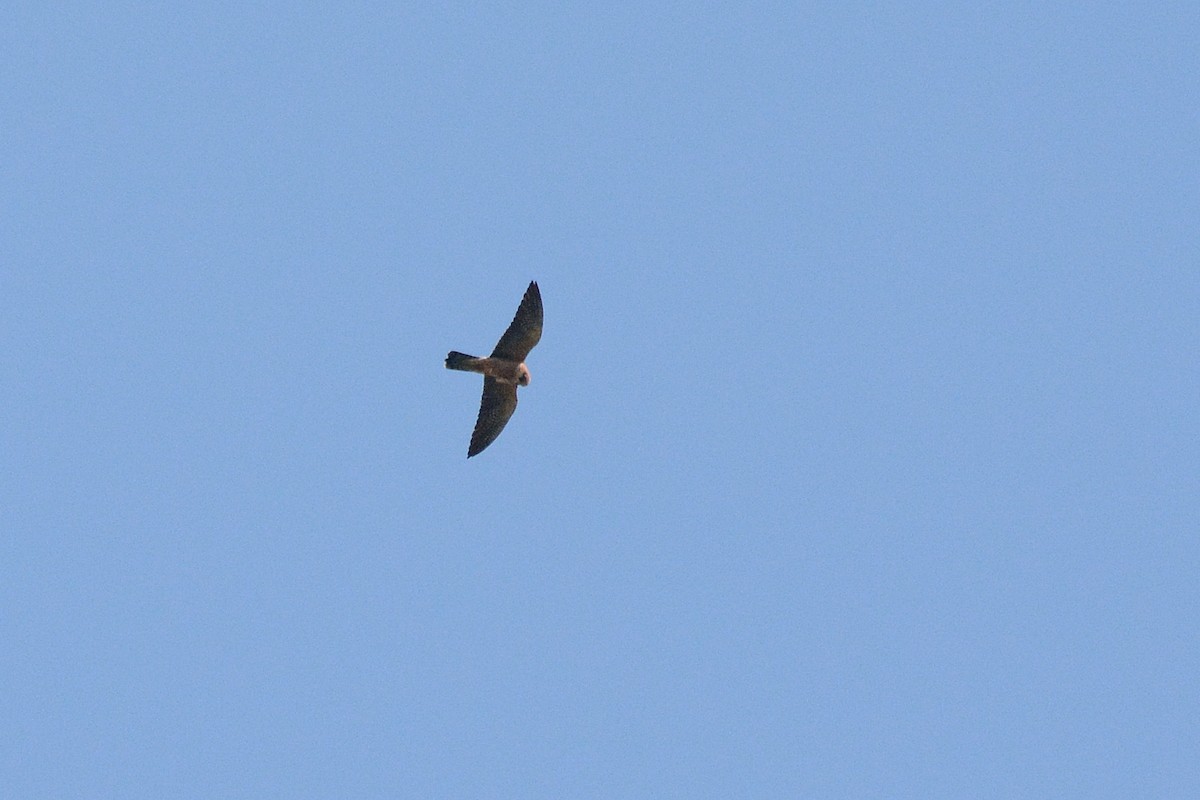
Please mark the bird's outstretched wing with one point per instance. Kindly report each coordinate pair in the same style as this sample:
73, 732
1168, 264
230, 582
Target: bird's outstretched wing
498, 404
525, 330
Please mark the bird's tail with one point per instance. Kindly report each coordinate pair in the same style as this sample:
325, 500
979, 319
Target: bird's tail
457, 360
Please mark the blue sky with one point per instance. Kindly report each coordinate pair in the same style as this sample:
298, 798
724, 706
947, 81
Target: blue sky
861, 457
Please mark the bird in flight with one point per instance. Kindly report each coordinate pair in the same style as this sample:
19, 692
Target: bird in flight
503, 371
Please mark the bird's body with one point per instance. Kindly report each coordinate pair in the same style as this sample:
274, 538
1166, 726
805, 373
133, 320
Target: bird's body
503, 371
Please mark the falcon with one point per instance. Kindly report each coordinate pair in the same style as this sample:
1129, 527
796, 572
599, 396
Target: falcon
503, 371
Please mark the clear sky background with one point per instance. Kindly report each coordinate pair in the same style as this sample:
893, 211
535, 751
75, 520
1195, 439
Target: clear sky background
861, 457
